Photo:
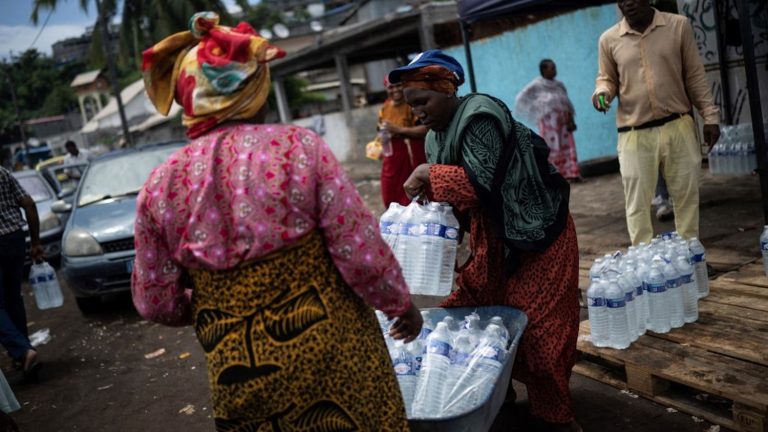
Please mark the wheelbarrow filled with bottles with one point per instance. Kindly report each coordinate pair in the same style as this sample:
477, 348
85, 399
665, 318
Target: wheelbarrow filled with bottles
454, 377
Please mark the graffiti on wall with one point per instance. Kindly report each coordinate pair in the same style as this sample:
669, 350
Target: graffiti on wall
702, 16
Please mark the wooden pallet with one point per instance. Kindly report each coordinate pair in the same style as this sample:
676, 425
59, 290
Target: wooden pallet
723, 357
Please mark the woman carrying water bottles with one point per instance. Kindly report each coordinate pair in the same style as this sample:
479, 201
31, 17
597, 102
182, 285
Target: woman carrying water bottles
514, 204
253, 234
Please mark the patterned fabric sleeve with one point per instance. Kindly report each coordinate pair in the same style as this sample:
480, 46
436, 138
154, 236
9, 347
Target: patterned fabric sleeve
352, 236
157, 292
450, 183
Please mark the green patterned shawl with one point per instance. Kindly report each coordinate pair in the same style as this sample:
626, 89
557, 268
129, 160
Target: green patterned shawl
525, 195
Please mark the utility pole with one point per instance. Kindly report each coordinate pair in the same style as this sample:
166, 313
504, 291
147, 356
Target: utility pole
104, 25
12, 86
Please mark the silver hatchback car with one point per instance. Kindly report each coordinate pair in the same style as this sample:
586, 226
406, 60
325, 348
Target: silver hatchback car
97, 246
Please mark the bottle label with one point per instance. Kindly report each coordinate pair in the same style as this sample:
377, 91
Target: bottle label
595, 302
616, 303
697, 258
672, 283
439, 348
686, 279
389, 227
403, 367
639, 291
451, 233
656, 288
424, 332
417, 363
764, 246
435, 230
629, 297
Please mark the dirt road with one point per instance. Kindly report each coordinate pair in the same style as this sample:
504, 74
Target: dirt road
97, 377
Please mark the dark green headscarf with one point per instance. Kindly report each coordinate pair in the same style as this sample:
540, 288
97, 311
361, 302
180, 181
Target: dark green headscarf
525, 195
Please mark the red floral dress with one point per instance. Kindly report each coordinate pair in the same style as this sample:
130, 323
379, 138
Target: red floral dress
545, 287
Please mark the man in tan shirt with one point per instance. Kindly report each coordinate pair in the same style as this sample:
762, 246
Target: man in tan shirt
649, 60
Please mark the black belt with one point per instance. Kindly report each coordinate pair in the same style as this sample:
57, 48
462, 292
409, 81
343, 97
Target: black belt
653, 123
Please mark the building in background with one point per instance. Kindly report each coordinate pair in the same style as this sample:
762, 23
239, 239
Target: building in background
92, 90
78, 49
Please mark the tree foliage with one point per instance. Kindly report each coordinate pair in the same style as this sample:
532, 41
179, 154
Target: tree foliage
42, 89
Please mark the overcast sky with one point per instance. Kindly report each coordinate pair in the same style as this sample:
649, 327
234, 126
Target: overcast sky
17, 31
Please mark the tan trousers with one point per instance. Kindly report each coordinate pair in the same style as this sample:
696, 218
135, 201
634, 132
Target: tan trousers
674, 148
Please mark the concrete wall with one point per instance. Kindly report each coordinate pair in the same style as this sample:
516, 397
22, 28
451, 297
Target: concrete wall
347, 143
504, 64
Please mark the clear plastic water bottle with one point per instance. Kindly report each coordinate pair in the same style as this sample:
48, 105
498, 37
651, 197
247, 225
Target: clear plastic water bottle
386, 142
52, 286
407, 243
433, 248
764, 248
430, 390
700, 266
641, 300
674, 295
460, 358
384, 324
453, 327
715, 159
488, 362
751, 157
598, 313
642, 274
629, 298
389, 224
450, 242
594, 271
503, 331
618, 326
485, 365
689, 289
427, 327
38, 280
417, 349
472, 328
405, 371
658, 306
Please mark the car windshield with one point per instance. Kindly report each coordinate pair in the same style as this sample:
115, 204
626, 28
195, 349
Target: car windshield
120, 176
35, 187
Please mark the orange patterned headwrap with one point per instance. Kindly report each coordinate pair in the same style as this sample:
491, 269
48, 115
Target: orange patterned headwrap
215, 73
433, 77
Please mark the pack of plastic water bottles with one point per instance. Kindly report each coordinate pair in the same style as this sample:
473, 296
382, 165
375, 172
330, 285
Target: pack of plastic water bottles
734, 154
653, 287
45, 286
452, 367
424, 240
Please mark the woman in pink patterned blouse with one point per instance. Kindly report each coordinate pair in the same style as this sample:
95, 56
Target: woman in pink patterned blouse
254, 234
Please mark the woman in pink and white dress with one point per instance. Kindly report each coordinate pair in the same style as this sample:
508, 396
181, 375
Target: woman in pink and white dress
544, 101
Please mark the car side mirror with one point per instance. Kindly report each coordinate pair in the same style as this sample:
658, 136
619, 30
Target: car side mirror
61, 207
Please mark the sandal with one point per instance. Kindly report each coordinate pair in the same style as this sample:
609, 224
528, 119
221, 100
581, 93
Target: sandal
31, 365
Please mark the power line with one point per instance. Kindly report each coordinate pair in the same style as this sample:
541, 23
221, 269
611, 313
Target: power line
50, 12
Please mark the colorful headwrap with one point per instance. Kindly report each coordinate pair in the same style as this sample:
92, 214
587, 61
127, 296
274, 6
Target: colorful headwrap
215, 73
433, 77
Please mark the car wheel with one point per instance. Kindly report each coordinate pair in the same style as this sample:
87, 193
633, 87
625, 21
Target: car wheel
88, 305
